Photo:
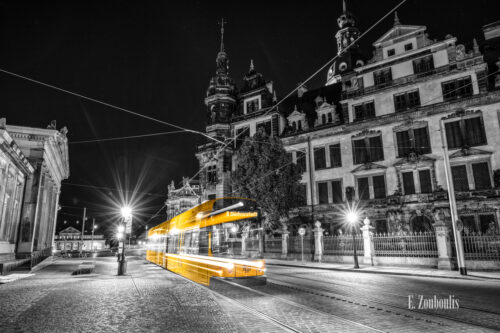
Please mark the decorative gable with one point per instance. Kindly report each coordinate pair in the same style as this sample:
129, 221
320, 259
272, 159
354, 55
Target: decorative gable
297, 120
398, 31
70, 230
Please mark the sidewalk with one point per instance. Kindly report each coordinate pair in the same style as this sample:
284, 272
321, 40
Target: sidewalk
409, 271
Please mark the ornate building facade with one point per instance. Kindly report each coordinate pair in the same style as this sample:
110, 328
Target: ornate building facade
183, 198
374, 132
37, 161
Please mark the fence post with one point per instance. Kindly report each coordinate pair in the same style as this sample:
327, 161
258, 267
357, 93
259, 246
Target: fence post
369, 248
284, 242
443, 246
318, 241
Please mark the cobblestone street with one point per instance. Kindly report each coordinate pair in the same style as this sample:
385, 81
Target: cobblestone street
151, 299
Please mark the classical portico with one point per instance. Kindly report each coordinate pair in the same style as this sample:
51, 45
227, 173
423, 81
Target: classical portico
47, 151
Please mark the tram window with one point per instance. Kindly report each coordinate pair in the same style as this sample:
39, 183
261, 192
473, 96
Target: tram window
186, 242
193, 249
203, 242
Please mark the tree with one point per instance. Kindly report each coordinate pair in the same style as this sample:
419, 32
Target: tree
265, 172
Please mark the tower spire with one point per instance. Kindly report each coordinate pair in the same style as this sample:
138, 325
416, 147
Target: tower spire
252, 67
222, 22
344, 7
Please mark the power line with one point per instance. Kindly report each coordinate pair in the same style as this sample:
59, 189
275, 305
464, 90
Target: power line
112, 189
107, 104
126, 137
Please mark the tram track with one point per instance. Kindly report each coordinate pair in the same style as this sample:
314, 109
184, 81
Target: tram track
280, 323
370, 289
366, 301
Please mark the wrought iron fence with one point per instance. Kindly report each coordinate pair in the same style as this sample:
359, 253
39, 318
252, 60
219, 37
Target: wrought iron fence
252, 244
294, 244
419, 244
273, 245
479, 246
343, 245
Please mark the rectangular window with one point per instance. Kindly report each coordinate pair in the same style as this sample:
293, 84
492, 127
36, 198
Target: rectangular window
359, 151
382, 77
406, 100
487, 224
364, 111
368, 149
421, 140
457, 88
323, 193
212, 173
408, 183
391, 52
468, 131
425, 181
379, 187
474, 131
252, 105
266, 125
459, 175
319, 158
453, 135
301, 160
337, 191
423, 65
335, 156
242, 134
408, 47
469, 223
363, 189
481, 174
404, 143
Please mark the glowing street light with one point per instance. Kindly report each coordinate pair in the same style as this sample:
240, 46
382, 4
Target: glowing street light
126, 212
352, 217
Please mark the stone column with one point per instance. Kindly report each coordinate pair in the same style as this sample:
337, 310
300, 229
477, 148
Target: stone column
318, 241
443, 246
368, 246
55, 210
244, 236
284, 242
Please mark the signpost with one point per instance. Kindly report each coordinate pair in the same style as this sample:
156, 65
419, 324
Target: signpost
302, 232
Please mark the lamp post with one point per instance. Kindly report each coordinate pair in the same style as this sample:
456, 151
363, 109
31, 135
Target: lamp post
352, 218
126, 217
92, 241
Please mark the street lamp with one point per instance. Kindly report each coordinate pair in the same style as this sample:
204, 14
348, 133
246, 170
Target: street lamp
126, 213
352, 218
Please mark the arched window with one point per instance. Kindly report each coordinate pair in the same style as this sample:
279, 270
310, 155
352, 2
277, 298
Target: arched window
294, 125
421, 224
323, 119
300, 125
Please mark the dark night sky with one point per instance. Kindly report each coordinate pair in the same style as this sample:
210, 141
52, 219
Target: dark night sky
156, 58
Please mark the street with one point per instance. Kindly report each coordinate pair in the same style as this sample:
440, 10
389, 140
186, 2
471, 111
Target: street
295, 299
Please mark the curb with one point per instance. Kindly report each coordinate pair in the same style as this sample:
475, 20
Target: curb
44, 263
468, 277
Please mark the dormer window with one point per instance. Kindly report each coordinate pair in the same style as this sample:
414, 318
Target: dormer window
391, 52
252, 105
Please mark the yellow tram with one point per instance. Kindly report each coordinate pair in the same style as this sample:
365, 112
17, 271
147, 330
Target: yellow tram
203, 242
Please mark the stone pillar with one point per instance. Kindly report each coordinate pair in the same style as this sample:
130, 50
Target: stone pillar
56, 208
284, 242
443, 246
368, 246
318, 241
244, 236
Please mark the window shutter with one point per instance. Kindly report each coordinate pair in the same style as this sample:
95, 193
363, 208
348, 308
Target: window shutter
481, 173
363, 189
379, 187
337, 191
335, 156
359, 151
474, 130
376, 149
319, 158
323, 193
422, 144
408, 183
453, 135
425, 181
459, 175
404, 144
